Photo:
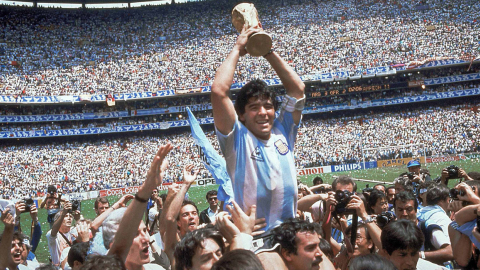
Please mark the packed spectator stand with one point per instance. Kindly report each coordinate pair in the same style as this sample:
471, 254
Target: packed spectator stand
74, 52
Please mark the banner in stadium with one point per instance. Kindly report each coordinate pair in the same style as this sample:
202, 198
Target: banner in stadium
61, 117
397, 162
314, 170
102, 130
394, 101
445, 158
452, 79
354, 166
473, 156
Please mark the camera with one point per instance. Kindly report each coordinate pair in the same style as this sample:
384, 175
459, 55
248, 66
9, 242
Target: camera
452, 171
323, 189
76, 205
454, 193
411, 175
28, 204
342, 197
384, 218
51, 190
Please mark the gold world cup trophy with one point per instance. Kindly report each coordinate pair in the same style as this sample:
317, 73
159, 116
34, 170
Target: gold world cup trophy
245, 14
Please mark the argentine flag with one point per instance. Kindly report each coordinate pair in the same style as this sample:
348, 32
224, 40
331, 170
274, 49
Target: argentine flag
212, 161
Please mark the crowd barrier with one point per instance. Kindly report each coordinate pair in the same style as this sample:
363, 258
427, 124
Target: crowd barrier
325, 77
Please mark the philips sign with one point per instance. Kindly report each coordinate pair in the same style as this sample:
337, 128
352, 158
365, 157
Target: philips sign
354, 166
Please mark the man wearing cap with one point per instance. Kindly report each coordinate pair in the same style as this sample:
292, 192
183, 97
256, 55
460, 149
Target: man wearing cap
414, 167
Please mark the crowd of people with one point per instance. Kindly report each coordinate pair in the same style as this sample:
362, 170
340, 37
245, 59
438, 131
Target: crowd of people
260, 217
415, 223
27, 169
57, 52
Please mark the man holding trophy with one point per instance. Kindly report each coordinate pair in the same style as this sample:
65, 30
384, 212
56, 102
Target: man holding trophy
258, 147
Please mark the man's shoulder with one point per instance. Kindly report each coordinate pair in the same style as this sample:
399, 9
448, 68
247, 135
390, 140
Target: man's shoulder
205, 211
152, 266
426, 265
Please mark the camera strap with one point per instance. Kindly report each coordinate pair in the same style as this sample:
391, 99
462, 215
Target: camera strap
64, 237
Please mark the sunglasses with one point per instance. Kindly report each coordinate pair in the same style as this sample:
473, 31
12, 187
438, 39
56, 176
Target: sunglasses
212, 198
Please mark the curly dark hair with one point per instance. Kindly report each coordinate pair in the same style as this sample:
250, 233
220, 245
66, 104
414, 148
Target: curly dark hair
185, 249
240, 259
256, 88
103, 262
286, 233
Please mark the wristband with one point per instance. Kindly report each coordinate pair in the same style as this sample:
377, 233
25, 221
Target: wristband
422, 254
140, 199
292, 104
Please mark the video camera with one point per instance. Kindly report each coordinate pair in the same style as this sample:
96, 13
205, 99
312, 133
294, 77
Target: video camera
411, 175
384, 218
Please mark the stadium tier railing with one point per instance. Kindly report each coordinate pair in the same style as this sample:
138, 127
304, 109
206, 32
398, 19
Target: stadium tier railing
325, 77
209, 120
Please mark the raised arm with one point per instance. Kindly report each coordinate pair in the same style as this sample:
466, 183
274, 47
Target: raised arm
58, 223
6, 243
128, 228
290, 79
172, 210
122, 202
223, 111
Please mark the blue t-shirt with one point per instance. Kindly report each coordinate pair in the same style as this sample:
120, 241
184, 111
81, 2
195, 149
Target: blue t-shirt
263, 171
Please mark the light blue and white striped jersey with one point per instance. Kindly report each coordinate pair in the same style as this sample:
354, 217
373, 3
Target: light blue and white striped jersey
263, 171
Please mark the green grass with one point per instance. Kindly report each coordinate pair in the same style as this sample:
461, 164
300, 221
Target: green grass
197, 194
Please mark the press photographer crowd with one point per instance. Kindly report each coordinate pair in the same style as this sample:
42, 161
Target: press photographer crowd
417, 222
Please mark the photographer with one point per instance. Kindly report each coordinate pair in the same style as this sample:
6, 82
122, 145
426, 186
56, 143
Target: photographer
463, 194
29, 206
52, 203
368, 233
405, 206
435, 212
453, 172
416, 174
62, 235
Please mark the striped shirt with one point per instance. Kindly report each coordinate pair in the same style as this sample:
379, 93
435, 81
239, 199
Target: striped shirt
263, 171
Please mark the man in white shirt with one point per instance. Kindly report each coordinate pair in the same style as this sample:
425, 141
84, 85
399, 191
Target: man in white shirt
61, 235
208, 215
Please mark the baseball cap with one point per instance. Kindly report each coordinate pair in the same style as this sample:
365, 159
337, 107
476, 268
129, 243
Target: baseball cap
413, 163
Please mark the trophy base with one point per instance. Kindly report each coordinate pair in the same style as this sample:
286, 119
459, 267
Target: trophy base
259, 44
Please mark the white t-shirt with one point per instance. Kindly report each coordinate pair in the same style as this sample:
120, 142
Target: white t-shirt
57, 244
426, 265
152, 266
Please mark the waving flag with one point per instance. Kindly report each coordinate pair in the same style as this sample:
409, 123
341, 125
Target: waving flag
212, 160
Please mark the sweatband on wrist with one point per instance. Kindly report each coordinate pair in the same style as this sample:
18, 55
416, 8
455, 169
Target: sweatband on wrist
292, 104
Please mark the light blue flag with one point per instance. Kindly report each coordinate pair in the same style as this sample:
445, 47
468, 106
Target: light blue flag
212, 161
